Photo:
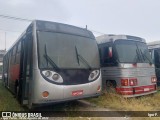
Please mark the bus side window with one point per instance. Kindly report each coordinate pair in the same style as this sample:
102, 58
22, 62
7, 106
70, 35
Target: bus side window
13, 55
19, 47
18, 53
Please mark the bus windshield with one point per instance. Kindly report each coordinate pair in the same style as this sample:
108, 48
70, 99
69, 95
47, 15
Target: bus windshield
132, 52
59, 50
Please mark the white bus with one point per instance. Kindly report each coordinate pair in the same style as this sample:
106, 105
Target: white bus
52, 62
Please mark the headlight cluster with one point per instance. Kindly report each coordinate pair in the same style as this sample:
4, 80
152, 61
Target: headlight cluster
93, 75
53, 76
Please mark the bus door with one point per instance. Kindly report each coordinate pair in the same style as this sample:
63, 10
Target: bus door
25, 70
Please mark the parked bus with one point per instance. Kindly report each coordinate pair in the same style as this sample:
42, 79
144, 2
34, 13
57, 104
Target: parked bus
53, 62
2, 52
154, 48
126, 65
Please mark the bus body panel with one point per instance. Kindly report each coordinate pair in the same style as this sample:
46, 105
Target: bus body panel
82, 90
61, 92
40, 85
143, 76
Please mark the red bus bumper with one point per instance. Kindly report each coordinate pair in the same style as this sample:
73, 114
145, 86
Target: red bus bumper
137, 91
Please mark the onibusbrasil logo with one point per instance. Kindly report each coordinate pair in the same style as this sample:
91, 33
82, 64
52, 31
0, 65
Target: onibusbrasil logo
22, 116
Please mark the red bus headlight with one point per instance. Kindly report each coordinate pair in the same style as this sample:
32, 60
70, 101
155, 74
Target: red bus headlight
133, 82
153, 79
124, 82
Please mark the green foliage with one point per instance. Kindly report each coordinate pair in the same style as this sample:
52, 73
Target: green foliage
7, 100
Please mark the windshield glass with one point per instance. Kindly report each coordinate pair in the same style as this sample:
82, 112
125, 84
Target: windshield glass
63, 51
132, 52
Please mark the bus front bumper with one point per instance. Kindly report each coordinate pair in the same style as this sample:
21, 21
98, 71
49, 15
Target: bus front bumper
137, 91
49, 102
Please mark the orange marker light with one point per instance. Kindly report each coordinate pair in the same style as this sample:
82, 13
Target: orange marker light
45, 94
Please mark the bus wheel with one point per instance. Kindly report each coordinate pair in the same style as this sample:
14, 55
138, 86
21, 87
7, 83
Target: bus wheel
111, 86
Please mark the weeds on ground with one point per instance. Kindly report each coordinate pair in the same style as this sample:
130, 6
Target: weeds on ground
7, 100
117, 102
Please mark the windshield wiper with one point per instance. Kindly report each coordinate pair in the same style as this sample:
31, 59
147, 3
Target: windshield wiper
137, 58
49, 60
138, 54
143, 55
81, 58
77, 55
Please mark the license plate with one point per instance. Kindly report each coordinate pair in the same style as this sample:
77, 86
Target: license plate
146, 89
77, 93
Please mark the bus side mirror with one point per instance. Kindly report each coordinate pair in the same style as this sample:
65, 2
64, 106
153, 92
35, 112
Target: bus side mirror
110, 52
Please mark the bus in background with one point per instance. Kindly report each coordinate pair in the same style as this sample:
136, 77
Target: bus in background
2, 52
126, 65
52, 62
154, 49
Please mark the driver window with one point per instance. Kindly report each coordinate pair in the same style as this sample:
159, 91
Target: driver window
108, 57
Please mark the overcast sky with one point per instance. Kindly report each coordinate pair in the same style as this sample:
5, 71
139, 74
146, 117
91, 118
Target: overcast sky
133, 17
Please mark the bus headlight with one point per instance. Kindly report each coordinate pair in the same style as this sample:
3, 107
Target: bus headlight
55, 76
153, 79
47, 74
93, 75
52, 76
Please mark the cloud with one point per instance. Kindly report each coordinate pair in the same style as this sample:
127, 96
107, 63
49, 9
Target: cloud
19, 2
50, 10
134, 17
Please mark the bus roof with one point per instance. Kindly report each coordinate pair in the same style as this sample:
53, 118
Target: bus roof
63, 28
110, 37
153, 45
55, 27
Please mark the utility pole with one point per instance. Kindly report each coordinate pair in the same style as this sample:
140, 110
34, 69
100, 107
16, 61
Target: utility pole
5, 40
